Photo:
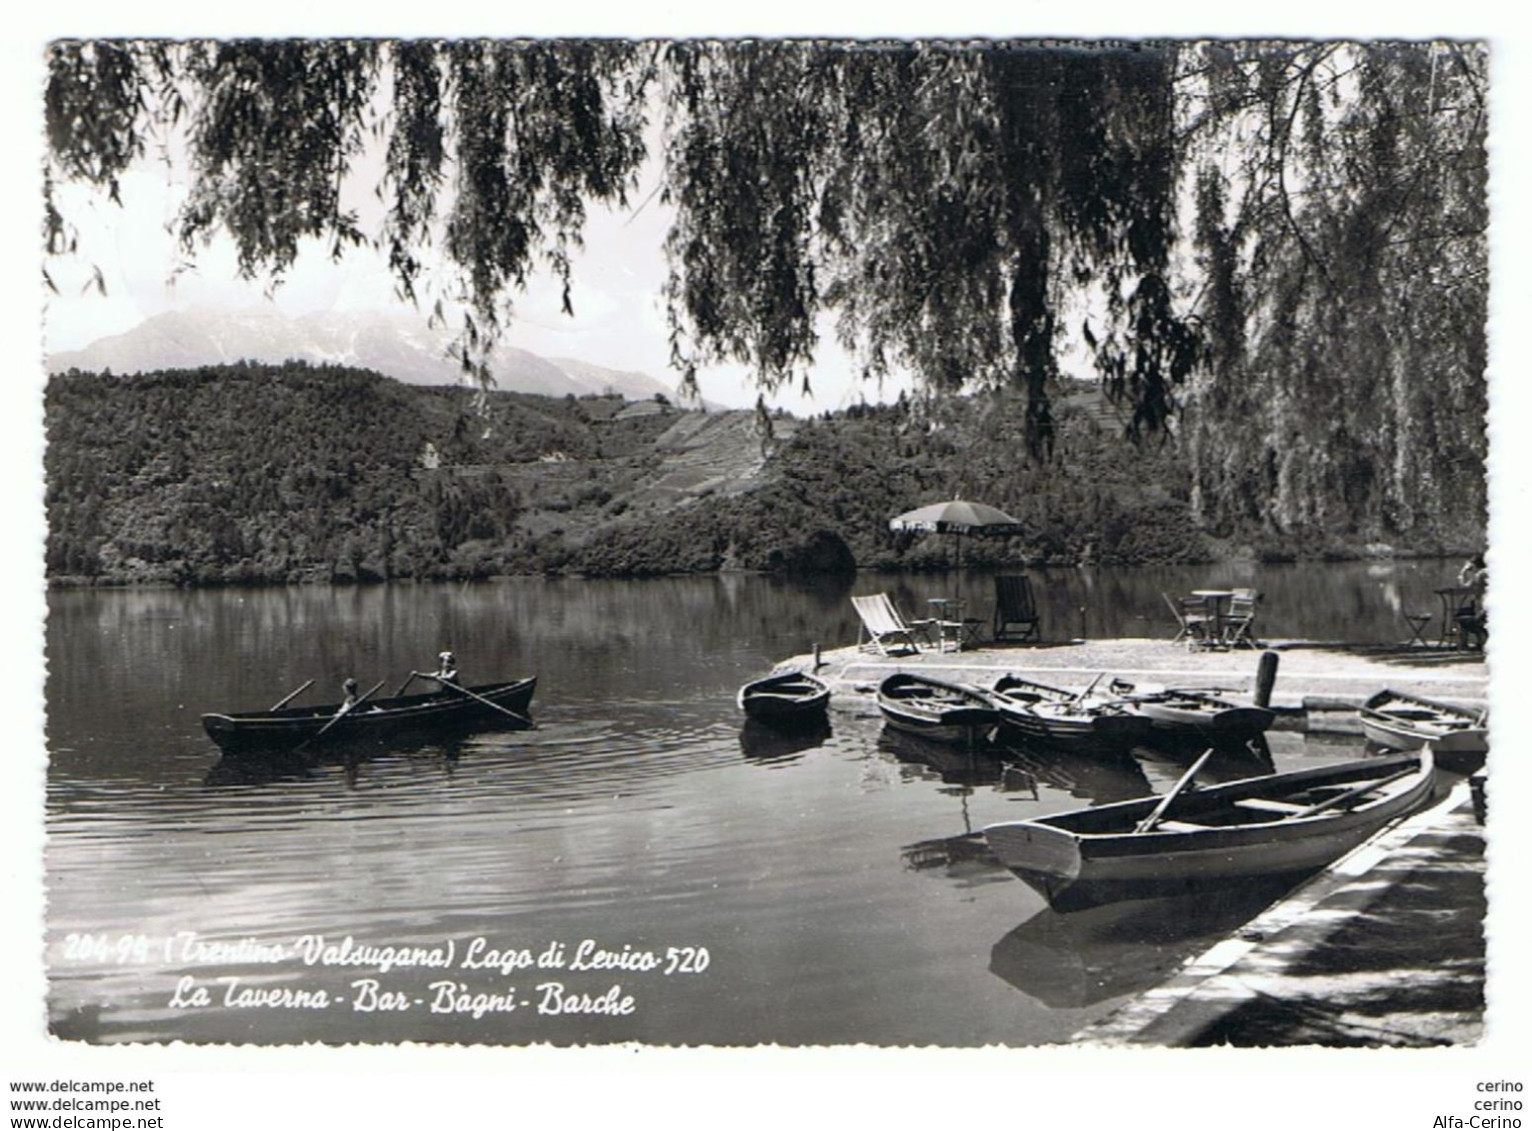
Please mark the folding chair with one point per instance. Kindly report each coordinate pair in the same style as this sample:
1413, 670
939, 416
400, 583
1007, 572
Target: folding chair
1192, 621
1015, 609
882, 626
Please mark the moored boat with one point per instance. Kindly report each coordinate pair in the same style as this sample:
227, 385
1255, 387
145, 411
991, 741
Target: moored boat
1036, 712
935, 709
787, 699
1274, 825
372, 720
1198, 717
1459, 737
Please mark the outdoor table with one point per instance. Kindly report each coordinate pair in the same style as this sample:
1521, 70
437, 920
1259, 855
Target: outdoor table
1216, 601
950, 626
1453, 597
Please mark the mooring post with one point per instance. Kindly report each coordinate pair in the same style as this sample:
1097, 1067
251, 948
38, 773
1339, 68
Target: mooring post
818, 663
1265, 678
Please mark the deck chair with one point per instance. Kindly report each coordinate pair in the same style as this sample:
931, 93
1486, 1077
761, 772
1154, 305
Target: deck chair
1015, 609
1193, 623
882, 626
1239, 623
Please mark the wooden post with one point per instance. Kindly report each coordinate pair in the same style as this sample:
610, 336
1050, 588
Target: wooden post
818, 663
1265, 678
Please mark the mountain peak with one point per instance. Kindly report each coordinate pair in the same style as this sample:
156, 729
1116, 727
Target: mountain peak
395, 345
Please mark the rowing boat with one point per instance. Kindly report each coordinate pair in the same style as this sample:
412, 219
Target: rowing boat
787, 699
1275, 825
372, 720
935, 709
1037, 712
1181, 715
1399, 721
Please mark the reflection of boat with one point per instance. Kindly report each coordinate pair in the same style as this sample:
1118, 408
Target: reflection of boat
1279, 824
792, 698
1095, 780
1398, 721
934, 709
258, 769
1181, 716
955, 765
761, 742
373, 720
1050, 715
963, 857
1069, 961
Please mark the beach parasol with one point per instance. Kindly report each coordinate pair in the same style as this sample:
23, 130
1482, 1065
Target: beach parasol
960, 517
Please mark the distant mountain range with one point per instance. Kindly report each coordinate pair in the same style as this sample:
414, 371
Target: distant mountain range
395, 346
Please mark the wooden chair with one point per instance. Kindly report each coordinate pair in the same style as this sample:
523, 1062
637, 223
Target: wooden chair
882, 626
1016, 615
1239, 622
1193, 624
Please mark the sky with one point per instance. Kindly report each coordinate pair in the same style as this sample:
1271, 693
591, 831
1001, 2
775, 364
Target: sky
619, 319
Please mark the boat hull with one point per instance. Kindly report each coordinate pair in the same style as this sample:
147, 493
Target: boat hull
1088, 857
1397, 721
786, 700
375, 721
1049, 716
934, 710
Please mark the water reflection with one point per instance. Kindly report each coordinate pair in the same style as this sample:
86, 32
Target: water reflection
635, 813
1093, 781
1071, 960
766, 744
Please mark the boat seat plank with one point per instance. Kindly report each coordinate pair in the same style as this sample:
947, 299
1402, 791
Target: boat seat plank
1267, 805
1179, 827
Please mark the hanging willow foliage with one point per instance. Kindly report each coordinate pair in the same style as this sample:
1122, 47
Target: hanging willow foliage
1282, 243
1340, 230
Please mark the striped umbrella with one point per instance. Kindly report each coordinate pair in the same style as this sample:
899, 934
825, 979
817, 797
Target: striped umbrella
960, 517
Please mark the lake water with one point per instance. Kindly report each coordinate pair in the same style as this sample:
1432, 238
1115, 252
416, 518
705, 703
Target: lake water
822, 890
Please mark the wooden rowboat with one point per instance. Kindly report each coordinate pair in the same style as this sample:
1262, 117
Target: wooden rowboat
1459, 737
372, 720
1276, 825
1197, 717
788, 699
936, 710
1036, 712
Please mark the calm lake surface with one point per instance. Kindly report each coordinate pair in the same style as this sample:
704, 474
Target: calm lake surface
817, 890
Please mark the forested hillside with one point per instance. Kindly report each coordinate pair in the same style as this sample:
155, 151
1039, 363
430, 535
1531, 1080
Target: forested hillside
269, 474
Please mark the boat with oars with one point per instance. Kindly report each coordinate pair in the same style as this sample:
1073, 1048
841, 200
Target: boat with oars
1283, 824
787, 699
936, 710
1396, 720
368, 720
1195, 716
1077, 721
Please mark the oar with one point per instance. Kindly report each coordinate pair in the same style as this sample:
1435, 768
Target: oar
289, 698
1355, 791
339, 715
406, 683
1153, 819
1091, 688
523, 719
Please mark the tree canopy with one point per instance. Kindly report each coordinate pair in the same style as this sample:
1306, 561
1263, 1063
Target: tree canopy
1277, 248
